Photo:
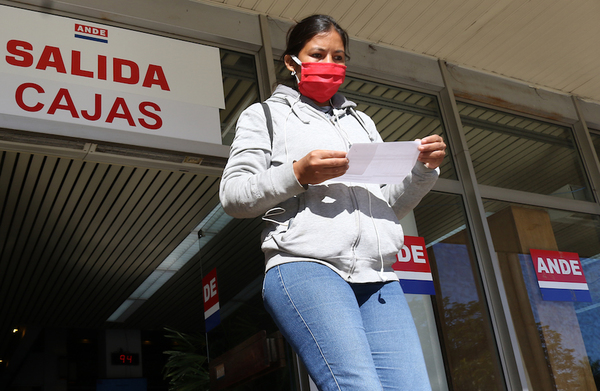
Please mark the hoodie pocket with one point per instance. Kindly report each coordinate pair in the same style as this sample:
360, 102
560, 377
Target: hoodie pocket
280, 218
324, 226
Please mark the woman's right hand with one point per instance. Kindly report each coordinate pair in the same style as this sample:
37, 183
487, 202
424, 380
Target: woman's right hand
320, 165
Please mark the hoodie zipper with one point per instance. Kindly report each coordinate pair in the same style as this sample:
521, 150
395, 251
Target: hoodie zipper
333, 122
357, 239
336, 124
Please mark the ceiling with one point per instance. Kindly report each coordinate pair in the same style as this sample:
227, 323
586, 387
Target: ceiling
77, 237
546, 43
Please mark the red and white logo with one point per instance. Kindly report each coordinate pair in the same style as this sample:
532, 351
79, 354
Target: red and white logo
413, 268
91, 33
210, 293
560, 275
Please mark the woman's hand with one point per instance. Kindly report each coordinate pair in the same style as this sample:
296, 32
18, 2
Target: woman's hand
320, 165
432, 151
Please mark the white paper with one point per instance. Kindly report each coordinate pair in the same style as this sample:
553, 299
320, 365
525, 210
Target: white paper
380, 163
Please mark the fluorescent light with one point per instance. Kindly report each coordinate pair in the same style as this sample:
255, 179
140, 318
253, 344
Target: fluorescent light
160, 281
186, 250
126, 304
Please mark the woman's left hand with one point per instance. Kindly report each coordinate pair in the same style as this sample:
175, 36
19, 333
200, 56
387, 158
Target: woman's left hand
432, 151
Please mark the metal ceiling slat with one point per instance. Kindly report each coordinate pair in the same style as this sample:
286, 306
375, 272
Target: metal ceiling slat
489, 45
442, 17
79, 226
292, 10
145, 257
539, 37
552, 174
134, 261
86, 230
506, 17
113, 212
139, 222
203, 199
243, 241
517, 178
309, 7
352, 16
9, 161
66, 228
336, 8
39, 176
520, 39
173, 208
503, 170
404, 121
520, 25
508, 158
385, 17
13, 214
125, 212
49, 211
242, 238
386, 120
93, 239
474, 15
427, 215
262, 6
551, 15
277, 7
412, 129
145, 197
481, 142
182, 212
496, 165
412, 20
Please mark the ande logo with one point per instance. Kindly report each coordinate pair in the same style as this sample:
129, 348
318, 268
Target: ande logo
91, 33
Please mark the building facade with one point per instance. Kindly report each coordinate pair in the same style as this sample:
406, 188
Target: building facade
88, 215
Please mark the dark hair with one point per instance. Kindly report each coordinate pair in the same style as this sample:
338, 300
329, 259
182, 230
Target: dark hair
307, 28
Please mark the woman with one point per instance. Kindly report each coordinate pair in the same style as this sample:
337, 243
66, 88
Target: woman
329, 246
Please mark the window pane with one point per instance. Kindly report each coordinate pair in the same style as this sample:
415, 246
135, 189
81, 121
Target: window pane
240, 88
523, 154
559, 339
467, 339
399, 114
596, 140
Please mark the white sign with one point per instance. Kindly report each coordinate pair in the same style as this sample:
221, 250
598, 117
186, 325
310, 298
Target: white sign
81, 79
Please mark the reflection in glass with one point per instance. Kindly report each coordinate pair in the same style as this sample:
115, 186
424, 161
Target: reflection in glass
240, 88
467, 339
559, 340
595, 135
523, 154
399, 114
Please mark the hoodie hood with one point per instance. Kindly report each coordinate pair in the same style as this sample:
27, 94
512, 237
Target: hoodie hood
289, 95
298, 102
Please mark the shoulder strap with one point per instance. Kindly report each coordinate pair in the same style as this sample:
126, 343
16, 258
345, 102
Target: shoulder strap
269, 120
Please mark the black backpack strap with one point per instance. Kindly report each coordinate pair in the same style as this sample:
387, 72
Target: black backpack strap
269, 120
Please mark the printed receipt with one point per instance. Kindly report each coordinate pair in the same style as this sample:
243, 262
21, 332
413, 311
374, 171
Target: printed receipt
380, 163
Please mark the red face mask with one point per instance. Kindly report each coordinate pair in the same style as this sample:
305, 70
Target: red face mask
319, 81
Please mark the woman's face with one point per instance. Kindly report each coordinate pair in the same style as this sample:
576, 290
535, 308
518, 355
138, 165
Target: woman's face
323, 47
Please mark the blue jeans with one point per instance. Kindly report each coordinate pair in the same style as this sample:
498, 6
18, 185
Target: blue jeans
350, 336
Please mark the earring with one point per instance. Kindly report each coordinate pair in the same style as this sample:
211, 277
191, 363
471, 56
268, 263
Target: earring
293, 73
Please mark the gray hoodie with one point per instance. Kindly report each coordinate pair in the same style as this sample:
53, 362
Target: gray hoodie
353, 228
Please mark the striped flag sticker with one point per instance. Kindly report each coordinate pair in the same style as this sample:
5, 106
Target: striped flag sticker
412, 267
560, 275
